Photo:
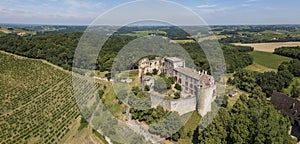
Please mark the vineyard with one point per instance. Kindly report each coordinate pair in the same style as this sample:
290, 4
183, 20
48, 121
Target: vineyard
36, 101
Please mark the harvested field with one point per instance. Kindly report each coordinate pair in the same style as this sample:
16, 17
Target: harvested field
269, 47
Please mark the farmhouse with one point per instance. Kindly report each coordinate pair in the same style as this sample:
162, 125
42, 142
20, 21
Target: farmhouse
197, 85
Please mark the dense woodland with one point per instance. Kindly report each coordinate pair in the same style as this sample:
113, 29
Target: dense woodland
293, 52
251, 120
59, 49
268, 81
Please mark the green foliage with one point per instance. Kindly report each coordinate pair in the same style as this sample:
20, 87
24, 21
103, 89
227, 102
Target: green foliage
147, 88
293, 52
37, 101
244, 80
140, 101
251, 120
168, 126
268, 60
160, 85
178, 87
295, 91
60, 48
155, 71
100, 92
150, 116
177, 95
268, 81
294, 67
135, 90
101, 137
83, 123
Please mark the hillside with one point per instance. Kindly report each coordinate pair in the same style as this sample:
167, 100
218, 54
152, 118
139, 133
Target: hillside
37, 105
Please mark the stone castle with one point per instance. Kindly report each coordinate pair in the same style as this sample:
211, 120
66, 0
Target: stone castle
198, 85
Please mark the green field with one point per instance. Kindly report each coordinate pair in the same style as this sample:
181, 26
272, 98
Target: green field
189, 127
258, 68
268, 60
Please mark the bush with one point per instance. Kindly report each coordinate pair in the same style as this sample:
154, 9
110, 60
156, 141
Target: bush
147, 88
177, 95
178, 87
155, 71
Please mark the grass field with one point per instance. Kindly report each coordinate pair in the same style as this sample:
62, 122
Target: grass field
268, 60
258, 68
21, 32
269, 47
189, 127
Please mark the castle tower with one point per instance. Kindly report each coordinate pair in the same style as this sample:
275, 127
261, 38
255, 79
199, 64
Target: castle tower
206, 94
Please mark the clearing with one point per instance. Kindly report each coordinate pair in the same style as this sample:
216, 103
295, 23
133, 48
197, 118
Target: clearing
268, 60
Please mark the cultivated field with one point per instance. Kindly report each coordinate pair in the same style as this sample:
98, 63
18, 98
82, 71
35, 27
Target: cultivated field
36, 101
269, 47
268, 60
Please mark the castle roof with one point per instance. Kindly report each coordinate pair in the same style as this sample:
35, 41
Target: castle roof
194, 74
174, 59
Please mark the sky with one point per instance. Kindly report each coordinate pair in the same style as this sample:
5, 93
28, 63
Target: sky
213, 12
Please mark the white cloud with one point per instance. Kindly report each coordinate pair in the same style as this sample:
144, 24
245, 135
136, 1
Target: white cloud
249, 1
74, 4
206, 6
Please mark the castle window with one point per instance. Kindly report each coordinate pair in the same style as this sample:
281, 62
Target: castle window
191, 91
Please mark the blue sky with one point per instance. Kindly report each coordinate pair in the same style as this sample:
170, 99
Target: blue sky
78, 12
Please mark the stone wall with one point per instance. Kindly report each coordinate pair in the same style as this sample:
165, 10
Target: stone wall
182, 106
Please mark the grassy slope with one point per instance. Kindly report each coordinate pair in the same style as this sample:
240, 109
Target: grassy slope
190, 126
258, 68
268, 60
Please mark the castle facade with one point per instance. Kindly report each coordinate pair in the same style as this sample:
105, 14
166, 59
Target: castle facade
196, 84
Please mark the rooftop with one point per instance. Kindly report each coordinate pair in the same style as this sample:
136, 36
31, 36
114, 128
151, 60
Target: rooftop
288, 105
174, 59
194, 74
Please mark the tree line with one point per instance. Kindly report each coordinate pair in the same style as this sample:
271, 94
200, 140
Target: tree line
59, 49
251, 120
293, 52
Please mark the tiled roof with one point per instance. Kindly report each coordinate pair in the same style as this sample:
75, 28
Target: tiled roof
194, 74
288, 105
174, 59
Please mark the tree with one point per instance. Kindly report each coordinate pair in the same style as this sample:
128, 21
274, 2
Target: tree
177, 95
135, 90
147, 88
155, 71
295, 91
159, 85
178, 87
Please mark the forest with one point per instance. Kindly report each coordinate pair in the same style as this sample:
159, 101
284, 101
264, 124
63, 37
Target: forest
59, 49
293, 52
251, 120
268, 81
